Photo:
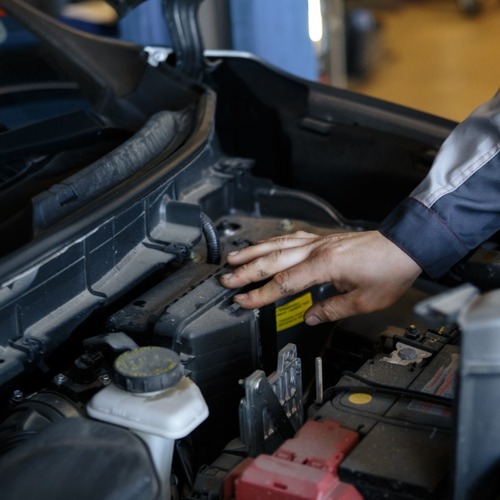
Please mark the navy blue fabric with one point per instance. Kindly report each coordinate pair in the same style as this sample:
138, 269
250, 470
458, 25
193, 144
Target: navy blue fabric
437, 237
473, 209
423, 236
457, 206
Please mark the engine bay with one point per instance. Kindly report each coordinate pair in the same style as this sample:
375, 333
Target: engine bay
126, 369
385, 380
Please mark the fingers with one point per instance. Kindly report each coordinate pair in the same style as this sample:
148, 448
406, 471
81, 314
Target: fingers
268, 246
288, 260
267, 259
283, 284
274, 264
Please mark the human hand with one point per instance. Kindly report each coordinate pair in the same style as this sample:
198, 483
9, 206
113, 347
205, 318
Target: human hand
368, 271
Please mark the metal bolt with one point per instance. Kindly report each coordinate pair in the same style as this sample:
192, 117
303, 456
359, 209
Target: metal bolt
228, 228
286, 225
196, 257
407, 353
412, 332
60, 378
17, 395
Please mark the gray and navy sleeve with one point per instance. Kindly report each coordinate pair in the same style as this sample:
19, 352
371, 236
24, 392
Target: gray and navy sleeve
457, 206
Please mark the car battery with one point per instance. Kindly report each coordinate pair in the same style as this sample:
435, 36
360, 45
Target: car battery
304, 467
283, 322
401, 404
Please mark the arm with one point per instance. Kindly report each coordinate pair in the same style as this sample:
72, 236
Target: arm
455, 208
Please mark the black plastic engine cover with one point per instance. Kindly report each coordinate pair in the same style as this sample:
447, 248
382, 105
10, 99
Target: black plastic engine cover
219, 344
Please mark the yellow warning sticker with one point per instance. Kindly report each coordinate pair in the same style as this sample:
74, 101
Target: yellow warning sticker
292, 313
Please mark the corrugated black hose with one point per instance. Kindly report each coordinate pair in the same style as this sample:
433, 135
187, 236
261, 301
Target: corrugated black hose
212, 239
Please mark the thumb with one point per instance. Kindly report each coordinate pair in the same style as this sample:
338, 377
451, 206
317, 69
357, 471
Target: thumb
332, 309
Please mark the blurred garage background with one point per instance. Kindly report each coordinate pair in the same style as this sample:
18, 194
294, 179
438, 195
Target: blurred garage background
439, 56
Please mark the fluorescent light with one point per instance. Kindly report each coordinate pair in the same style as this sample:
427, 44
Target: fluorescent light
315, 20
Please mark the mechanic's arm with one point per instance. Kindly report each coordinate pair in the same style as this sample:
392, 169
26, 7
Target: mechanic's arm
369, 272
454, 209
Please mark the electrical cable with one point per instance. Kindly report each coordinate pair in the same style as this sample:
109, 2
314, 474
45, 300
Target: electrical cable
332, 213
395, 421
376, 388
212, 239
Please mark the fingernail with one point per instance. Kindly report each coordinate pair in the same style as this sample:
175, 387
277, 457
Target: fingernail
313, 320
233, 253
227, 276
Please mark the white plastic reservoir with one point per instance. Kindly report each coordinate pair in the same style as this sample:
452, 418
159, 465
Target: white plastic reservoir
152, 398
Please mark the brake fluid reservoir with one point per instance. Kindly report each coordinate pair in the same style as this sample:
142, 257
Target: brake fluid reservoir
151, 397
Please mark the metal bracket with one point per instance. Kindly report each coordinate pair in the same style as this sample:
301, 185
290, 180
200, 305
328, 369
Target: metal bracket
272, 409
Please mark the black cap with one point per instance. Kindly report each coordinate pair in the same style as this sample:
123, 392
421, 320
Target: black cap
147, 369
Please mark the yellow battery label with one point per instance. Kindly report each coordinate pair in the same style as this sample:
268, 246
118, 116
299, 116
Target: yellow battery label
292, 313
360, 398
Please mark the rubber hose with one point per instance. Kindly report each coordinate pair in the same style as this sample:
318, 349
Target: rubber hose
212, 239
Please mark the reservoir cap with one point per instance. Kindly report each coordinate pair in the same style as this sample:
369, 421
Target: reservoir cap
147, 369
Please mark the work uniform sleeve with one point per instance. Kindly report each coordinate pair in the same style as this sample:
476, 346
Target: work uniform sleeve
457, 206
